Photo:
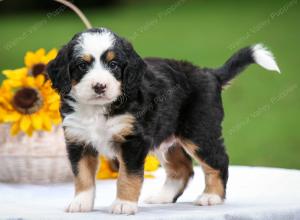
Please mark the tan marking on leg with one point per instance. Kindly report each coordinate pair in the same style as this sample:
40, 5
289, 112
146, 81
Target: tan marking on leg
178, 165
87, 168
179, 169
128, 185
213, 181
188, 145
84, 185
110, 55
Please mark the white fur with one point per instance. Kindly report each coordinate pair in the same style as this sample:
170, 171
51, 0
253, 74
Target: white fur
95, 44
208, 199
83, 202
167, 143
171, 186
123, 207
163, 148
263, 57
89, 125
84, 92
168, 192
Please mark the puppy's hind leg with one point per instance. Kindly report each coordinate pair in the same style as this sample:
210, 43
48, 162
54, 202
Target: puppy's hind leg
179, 169
214, 162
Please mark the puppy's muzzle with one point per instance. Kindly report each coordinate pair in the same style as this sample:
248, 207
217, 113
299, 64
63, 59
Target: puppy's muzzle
99, 88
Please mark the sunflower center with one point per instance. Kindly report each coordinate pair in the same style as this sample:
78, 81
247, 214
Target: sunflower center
27, 100
38, 69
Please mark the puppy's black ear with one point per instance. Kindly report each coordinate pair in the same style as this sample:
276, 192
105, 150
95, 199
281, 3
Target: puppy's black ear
134, 70
58, 72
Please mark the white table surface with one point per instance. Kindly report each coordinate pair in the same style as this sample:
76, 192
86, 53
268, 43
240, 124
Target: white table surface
253, 193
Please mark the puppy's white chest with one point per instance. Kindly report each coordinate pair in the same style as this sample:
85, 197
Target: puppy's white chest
90, 126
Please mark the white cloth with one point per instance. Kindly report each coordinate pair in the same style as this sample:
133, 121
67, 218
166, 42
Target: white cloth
253, 193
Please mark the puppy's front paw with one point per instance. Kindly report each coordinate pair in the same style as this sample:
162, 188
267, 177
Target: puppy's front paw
83, 202
159, 199
208, 199
123, 207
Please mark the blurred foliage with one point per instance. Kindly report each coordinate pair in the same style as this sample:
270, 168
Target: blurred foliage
261, 125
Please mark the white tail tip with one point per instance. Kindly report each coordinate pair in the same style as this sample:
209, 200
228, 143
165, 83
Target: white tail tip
263, 57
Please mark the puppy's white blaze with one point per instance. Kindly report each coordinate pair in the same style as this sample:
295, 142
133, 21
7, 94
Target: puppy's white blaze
95, 43
263, 57
83, 202
169, 191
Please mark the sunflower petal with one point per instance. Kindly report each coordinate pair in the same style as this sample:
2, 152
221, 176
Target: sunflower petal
5, 86
50, 56
37, 121
54, 106
53, 98
25, 123
29, 59
151, 163
29, 131
40, 52
32, 58
29, 81
56, 120
13, 83
15, 128
39, 80
16, 74
11, 117
55, 117
46, 123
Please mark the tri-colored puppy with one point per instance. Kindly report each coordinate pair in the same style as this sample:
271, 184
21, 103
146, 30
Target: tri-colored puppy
115, 103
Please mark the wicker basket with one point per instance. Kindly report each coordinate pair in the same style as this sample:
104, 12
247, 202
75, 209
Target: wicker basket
39, 159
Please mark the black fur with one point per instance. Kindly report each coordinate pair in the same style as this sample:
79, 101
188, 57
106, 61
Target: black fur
236, 64
76, 151
60, 74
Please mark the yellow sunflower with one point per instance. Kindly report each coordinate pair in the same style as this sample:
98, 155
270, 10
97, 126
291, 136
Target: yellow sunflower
36, 61
28, 103
151, 163
108, 171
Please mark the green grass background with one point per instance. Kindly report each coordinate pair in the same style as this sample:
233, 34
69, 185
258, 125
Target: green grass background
261, 125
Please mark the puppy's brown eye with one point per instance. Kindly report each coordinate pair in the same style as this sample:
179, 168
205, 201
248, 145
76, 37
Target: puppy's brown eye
82, 66
113, 65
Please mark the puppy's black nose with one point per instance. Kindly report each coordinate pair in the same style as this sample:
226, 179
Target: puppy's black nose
99, 88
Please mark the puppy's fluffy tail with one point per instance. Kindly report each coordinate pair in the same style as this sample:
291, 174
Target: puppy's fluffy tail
239, 61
